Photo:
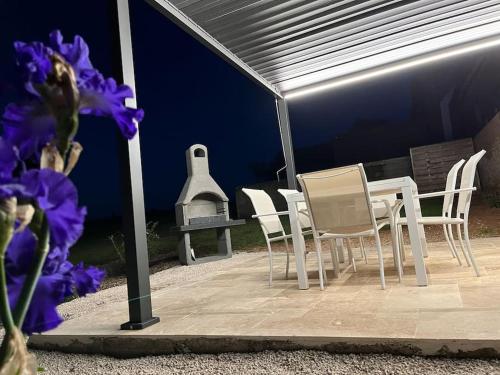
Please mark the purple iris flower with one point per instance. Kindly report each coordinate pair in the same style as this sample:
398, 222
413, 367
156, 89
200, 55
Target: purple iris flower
56, 195
50, 291
99, 96
59, 280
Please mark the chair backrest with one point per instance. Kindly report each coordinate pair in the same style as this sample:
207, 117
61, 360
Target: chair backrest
451, 183
467, 181
338, 200
379, 208
263, 204
304, 220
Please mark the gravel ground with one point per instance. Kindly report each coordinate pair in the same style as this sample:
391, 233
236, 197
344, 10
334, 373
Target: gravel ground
276, 363
299, 362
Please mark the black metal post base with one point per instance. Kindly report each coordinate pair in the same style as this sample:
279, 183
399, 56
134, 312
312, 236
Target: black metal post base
133, 326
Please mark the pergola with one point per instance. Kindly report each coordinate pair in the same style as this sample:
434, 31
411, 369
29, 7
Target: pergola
294, 48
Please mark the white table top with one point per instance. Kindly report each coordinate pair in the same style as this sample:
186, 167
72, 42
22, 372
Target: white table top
388, 186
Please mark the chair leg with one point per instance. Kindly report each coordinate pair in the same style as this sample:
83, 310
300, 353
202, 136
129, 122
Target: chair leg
451, 245
396, 252
380, 258
335, 259
401, 243
459, 235
469, 249
394, 256
452, 240
320, 264
270, 264
287, 258
350, 255
363, 250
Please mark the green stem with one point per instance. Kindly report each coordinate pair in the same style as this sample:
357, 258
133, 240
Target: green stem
28, 288
5, 311
66, 129
32, 279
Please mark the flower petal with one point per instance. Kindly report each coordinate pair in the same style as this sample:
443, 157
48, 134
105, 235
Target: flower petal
76, 53
29, 127
34, 60
42, 313
20, 253
8, 159
86, 280
58, 198
103, 97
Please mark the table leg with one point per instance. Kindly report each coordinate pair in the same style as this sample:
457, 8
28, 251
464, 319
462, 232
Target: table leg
421, 229
299, 245
415, 236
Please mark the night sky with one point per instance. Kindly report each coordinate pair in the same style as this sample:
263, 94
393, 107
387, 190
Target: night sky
189, 96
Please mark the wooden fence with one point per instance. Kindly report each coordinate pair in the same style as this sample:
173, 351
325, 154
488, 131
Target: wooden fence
432, 163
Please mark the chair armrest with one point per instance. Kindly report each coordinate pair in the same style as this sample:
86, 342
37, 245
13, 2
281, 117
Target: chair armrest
386, 203
281, 213
442, 193
304, 212
392, 211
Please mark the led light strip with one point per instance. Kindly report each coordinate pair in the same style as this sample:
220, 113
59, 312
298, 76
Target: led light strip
417, 61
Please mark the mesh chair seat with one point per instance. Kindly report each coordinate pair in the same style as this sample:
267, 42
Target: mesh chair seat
363, 233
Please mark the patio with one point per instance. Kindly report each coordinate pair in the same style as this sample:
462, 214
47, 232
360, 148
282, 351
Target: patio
292, 50
229, 307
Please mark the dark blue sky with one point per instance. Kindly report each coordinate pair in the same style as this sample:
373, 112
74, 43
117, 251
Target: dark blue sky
189, 96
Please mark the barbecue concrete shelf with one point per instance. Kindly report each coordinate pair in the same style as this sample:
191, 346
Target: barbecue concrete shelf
224, 224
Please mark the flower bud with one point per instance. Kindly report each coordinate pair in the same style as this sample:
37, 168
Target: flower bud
51, 158
24, 215
63, 77
74, 155
8, 207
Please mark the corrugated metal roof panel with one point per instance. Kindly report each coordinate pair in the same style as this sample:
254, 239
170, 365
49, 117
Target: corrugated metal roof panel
294, 44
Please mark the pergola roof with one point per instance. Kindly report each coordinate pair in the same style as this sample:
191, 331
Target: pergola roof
292, 46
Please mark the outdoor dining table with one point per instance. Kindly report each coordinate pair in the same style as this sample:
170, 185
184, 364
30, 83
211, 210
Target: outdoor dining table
403, 185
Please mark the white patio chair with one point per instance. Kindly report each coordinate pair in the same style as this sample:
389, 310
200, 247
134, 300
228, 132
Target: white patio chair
339, 204
462, 211
451, 181
270, 223
305, 222
386, 206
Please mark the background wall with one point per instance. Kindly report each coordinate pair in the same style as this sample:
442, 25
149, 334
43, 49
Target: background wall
489, 167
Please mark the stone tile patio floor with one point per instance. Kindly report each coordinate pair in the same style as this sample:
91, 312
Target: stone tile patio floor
236, 301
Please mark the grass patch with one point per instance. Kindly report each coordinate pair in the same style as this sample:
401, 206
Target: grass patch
95, 248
